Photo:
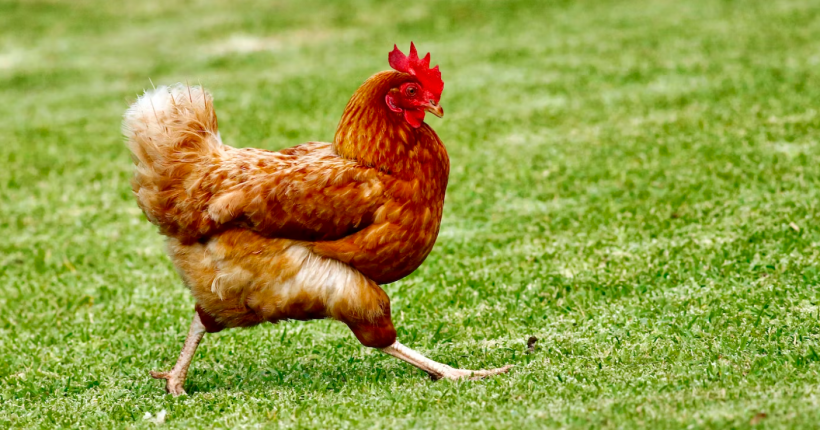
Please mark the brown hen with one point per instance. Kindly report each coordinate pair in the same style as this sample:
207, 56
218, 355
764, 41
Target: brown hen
303, 233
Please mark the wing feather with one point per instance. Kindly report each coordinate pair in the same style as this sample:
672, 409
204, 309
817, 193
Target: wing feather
304, 193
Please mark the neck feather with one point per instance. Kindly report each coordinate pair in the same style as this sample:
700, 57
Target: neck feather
372, 134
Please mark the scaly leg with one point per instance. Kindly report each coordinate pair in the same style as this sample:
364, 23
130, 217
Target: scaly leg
175, 378
438, 370
366, 310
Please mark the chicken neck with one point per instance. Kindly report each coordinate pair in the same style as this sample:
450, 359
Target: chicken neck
371, 134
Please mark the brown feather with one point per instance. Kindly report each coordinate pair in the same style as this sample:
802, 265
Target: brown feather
331, 220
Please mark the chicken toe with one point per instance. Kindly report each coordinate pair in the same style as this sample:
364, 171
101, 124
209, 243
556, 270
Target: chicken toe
173, 383
455, 374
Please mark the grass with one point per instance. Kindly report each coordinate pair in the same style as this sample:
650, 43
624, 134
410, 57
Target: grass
634, 182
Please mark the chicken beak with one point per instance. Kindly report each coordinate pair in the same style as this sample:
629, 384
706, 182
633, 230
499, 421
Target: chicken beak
434, 108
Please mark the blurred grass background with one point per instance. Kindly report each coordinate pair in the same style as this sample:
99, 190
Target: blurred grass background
634, 182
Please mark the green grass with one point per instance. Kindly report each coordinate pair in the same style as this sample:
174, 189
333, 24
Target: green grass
633, 182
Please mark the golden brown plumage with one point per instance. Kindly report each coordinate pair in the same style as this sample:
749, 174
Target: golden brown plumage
372, 199
306, 232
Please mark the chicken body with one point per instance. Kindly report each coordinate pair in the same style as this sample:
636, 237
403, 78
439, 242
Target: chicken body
307, 232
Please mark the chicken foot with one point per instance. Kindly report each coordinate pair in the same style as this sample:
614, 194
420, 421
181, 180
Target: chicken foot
175, 378
438, 370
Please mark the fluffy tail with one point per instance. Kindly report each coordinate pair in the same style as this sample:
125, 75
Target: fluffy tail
172, 134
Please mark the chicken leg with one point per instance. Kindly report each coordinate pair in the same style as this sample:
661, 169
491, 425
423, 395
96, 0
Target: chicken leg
175, 378
438, 370
372, 325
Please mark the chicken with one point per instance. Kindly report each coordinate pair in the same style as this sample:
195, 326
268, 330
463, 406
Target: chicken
303, 233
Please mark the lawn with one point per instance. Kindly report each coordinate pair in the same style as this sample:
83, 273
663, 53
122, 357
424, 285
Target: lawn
633, 182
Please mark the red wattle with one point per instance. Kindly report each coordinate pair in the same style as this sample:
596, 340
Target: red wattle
414, 117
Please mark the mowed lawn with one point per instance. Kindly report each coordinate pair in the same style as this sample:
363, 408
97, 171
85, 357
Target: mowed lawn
635, 183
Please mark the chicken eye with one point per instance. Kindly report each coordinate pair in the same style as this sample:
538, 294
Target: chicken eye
411, 91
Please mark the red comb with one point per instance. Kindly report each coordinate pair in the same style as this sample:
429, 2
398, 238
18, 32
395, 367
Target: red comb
429, 78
